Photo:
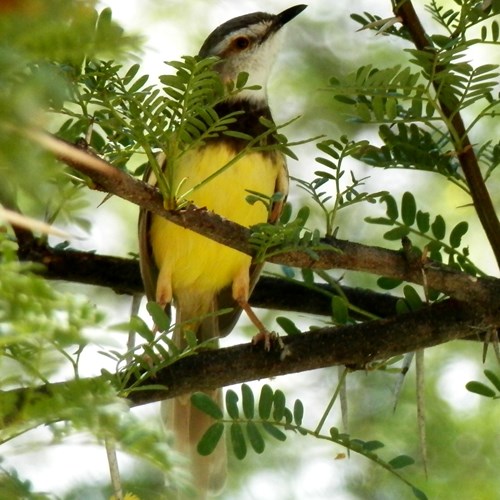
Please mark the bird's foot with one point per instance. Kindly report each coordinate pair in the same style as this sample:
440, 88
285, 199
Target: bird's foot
269, 338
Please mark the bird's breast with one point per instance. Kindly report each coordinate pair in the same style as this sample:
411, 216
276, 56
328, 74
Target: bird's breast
195, 261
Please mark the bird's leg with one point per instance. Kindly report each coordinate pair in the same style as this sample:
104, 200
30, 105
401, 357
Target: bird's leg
240, 294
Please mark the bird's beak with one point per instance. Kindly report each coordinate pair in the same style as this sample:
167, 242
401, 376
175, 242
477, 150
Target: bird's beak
287, 15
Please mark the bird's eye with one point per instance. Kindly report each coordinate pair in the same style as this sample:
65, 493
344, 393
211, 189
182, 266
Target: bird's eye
242, 42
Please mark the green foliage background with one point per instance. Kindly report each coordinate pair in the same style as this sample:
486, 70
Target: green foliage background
47, 329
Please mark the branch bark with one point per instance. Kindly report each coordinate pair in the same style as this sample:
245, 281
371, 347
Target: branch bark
340, 254
354, 346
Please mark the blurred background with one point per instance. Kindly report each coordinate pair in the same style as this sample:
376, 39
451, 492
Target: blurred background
462, 434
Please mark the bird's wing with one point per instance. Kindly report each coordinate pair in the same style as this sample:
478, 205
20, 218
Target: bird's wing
149, 270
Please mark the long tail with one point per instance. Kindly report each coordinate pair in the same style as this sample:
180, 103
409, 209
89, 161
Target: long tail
186, 422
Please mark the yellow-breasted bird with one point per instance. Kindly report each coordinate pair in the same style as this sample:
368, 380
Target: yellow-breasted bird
197, 274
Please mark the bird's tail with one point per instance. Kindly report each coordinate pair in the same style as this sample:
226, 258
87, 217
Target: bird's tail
187, 423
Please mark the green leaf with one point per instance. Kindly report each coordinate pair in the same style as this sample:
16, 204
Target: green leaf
232, 404
274, 431
241, 79
255, 437
457, 233
397, 233
237, 135
402, 307
363, 112
391, 108
340, 310
210, 439
279, 401
373, 445
265, 402
357, 445
408, 208
288, 325
423, 221
388, 283
248, 401
418, 493
495, 31
480, 388
160, 317
298, 412
401, 461
288, 416
139, 326
439, 227
492, 377
412, 298
383, 221
392, 207
132, 71
206, 404
138, 84
238, 441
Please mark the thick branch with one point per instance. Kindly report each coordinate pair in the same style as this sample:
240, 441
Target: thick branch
354, 346
343, 254
465, 152
123, 276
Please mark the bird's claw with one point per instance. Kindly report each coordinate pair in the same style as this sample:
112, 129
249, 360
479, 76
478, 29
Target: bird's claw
268, 338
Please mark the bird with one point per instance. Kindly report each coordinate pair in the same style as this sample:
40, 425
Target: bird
200, 276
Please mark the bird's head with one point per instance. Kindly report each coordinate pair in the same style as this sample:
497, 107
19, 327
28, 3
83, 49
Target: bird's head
248, 44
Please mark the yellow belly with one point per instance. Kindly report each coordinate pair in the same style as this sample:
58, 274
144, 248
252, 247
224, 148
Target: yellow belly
193, 262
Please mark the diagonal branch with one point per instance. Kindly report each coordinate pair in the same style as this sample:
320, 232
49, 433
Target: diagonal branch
355, 346
339, 254
463, 147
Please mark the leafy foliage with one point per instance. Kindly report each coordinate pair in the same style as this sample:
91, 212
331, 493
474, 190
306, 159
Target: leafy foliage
489, 391
409, 220
412, 98
269, 416
344, 196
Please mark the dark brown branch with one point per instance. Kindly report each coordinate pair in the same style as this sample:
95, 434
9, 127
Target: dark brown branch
122, 275
343, 254
465, 152
354, 346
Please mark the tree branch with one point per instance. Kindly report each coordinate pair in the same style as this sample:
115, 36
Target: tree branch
341, 254
123, 276
463, 147
355, 346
